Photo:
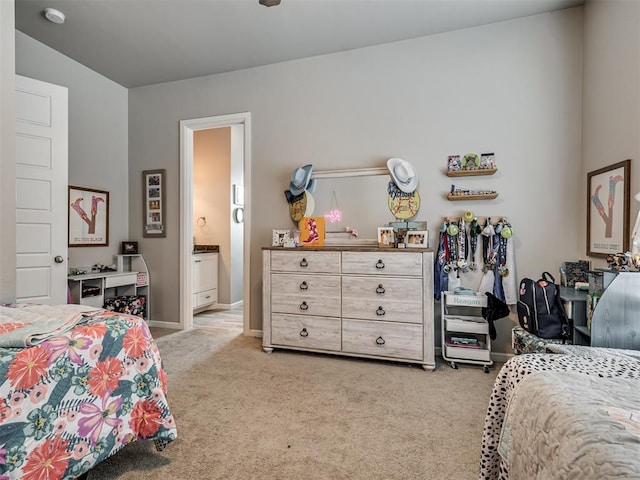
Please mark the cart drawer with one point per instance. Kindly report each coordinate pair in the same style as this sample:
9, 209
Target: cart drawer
466, 300
383, 263
319, 333
464, 353
467, 326
382, 339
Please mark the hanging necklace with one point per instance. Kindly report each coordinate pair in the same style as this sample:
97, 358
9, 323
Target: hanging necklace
442, 247
505, 233
452, 232
462, 247
474, 231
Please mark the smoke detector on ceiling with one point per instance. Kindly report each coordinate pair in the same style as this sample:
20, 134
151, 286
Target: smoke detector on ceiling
54, 16
269, 3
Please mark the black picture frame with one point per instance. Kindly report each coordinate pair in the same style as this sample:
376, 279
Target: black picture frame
153, 203
129, 248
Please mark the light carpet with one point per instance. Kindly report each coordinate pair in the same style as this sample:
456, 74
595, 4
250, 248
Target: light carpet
245, 414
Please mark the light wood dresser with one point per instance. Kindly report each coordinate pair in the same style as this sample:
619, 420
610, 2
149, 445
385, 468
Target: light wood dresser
363, 302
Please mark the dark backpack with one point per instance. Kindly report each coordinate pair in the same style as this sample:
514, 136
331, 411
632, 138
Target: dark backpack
540, 308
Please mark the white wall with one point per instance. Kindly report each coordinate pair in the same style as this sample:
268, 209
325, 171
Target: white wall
611, 95
7, 154
98, 137
513, 88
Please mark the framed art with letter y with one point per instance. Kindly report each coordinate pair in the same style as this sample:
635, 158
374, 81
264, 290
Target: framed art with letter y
88, 217
608, 209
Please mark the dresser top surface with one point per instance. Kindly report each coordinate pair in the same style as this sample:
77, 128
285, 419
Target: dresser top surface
341, 248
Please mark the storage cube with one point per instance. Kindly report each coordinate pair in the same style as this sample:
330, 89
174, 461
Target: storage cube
130, 304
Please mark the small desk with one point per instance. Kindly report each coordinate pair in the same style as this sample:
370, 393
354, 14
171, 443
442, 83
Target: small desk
575, 305
93, 288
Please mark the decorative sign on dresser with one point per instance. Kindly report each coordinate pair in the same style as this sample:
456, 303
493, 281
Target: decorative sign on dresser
364, 302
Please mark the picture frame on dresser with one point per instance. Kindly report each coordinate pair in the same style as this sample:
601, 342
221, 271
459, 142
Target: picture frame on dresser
386, 237
416, 238
608, 197
280, 238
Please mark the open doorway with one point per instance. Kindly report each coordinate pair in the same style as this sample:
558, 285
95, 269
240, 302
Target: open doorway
235, 212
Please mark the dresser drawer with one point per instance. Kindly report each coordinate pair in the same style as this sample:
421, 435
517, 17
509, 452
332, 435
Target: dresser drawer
382, 263
305, 332
305, 294
382, 339
305, 262
390, 299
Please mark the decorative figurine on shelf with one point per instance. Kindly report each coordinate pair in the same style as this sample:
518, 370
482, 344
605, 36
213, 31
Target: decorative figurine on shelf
470, 161
454, 163
620, 262
487, 161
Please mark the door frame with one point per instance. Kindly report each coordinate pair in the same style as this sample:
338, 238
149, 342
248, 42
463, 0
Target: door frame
187, 127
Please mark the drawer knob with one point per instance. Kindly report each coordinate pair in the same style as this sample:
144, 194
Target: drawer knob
380, 341
304, 263
304, 306
380, 264
380, 289
304, 333
380, 311
304, 286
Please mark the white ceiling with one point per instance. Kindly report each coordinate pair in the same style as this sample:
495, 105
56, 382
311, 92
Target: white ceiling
142, 42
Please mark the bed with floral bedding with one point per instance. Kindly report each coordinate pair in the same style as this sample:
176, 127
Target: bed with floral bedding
77, 384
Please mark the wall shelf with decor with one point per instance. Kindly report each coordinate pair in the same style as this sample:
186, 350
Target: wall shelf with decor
471, 173
457, 197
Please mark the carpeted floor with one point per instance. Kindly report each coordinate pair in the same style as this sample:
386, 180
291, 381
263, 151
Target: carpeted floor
245, 414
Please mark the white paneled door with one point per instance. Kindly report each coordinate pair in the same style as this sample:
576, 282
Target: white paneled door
41, 191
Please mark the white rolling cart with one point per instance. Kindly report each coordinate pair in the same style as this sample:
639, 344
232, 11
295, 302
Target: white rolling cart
465, 333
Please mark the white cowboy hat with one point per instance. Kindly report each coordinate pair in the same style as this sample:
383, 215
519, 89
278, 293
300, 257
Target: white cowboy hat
311, 204
300, 179
403, 174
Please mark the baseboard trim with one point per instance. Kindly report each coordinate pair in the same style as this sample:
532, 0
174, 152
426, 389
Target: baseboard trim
159, 324
220, 306
254, 333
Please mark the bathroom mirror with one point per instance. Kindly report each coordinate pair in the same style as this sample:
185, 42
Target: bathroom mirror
361, 197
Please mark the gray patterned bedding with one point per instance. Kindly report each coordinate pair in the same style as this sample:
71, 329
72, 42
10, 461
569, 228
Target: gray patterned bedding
598, 364
585, 427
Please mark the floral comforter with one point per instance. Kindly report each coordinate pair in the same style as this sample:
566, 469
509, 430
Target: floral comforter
73, 400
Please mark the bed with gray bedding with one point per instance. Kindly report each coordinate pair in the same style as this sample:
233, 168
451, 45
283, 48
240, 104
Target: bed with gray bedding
585, 427
571, 415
